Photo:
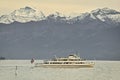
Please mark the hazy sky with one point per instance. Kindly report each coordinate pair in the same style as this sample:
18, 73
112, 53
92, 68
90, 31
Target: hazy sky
63, 6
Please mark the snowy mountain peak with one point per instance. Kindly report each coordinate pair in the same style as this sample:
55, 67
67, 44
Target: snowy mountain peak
104, 11
28, 8
56, 14
27, 11
22, 15
57, 17
106, 15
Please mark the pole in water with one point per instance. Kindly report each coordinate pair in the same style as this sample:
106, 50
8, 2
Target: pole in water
16, 67
32, 60
16, 71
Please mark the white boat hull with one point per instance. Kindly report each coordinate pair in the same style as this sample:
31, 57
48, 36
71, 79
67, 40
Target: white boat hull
65, 65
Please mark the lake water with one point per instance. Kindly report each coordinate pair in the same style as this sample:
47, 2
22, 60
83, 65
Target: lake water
103, 70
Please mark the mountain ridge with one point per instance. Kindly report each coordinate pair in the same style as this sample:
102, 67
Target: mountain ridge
28, 14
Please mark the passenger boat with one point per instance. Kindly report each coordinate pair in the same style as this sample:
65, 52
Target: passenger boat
72, 61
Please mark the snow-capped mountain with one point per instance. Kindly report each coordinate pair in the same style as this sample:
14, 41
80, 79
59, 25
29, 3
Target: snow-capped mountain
28, 14
22, 15
106, 15
56, 17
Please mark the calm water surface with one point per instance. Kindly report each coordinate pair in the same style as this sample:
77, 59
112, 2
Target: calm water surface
103, 70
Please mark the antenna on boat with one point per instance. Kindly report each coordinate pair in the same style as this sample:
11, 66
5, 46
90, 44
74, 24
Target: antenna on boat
77, 53
55, 56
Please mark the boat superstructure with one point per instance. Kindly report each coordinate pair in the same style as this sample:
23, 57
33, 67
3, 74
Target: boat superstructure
72, 61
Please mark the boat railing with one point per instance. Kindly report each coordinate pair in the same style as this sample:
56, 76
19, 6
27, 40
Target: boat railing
68, 62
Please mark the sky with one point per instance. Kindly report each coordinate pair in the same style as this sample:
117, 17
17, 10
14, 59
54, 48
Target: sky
62, 6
